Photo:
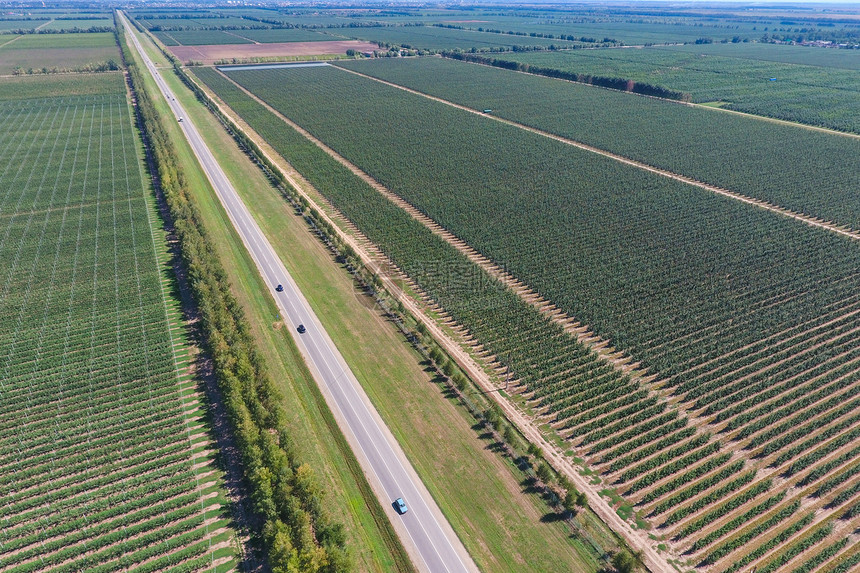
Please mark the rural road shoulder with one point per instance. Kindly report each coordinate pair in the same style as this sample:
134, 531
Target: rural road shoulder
424, 531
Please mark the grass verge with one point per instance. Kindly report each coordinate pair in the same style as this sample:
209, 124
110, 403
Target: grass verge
373, 543
482, 495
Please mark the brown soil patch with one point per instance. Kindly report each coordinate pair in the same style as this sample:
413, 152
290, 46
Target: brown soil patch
219, 52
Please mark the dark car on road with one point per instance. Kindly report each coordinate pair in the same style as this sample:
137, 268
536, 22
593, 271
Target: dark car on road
301, 329
279, 288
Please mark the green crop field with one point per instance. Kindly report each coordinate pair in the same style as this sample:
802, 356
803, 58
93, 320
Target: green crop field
195, 22
104, 462
746, 318
312, 19
436, 38
810, 172
826, 96
55, 52
628, 31
200, 38
50, 86
208, 37
284, 35
64, 41
780, 53
9, 24
82, 24
52, 23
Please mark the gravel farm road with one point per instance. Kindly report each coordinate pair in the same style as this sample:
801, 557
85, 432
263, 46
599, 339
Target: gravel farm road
423, 529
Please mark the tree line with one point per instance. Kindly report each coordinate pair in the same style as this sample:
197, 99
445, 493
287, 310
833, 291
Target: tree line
621, 84
298, 534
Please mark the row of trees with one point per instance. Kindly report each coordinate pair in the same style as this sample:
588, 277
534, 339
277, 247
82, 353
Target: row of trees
72, 30
707, 500
108, 66
565, 37
299, 535
621, 84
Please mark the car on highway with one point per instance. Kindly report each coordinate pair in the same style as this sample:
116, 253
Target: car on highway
279, 288
301, 329
400, 506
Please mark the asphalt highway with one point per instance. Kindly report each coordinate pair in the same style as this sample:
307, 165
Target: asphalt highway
424, 531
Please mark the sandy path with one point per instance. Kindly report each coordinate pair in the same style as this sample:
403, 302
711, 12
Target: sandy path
241, 37
10, 41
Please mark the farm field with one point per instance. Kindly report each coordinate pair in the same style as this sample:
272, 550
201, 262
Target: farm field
780, 53
285, 35
9, 24
500, 536
826, 96
52, 86
630, 25
436, 38
195, 22
623, 30
510, 26
45, 24
336, 18
237, 53
809, 172
82, 24
48, 23
200, 38
668, 273
58, 52
106, 462
266, 36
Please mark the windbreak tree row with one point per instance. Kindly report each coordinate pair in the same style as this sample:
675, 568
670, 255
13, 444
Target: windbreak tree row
299, 533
